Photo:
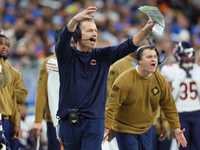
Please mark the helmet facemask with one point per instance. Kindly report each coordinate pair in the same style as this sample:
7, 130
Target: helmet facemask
185, 55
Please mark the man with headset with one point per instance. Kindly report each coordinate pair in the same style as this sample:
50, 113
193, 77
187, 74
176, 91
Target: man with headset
160, 123
131, 112
83, 71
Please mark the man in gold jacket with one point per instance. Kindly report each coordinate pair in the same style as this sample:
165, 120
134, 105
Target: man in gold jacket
13, 92
41, 104
160, 123
131, 112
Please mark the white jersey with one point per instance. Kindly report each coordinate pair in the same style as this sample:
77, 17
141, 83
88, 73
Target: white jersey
53, 85
186, 90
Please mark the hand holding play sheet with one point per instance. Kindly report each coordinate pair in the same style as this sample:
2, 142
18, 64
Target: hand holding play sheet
154, 15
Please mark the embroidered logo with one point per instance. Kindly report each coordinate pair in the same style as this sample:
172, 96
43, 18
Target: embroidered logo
42, 72
115, 88
155, 91
112, 72
93, 62
40, 79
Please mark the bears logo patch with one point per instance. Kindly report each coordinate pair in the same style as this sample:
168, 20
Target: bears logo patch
93, 62
155, 91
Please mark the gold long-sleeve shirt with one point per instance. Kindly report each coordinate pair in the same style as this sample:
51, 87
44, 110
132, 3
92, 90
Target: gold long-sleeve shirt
133, 103
119, 67
12, 91
41, 101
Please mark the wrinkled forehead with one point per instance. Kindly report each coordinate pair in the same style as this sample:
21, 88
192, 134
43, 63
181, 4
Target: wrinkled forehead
147, 52
88, 24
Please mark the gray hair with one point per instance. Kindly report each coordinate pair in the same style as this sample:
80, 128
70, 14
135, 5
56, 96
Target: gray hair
86, 19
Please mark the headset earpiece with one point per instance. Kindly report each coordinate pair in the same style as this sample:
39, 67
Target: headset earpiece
137, 55
158, 55
77, 34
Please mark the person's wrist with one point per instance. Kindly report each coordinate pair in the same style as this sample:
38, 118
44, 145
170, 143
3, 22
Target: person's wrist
146, 31
37, 126
75, 20
16, 128
176, 129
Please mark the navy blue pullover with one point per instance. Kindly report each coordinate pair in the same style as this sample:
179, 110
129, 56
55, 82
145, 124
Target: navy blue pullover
83, 75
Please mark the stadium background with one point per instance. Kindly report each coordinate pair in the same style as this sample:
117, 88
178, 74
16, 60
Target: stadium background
30, 25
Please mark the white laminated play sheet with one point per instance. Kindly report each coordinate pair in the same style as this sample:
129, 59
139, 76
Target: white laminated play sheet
154, 15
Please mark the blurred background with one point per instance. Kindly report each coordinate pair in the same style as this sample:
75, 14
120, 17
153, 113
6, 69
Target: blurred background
30, 26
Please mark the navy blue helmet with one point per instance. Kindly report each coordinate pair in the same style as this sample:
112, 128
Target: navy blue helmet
184, 54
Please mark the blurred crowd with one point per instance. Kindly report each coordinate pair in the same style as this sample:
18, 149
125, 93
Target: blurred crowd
30, 25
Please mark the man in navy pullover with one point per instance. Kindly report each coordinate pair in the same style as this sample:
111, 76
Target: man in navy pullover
83, 71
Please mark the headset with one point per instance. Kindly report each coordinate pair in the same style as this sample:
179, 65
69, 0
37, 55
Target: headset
77, 35
140, 50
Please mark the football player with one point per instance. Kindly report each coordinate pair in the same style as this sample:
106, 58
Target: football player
185, 84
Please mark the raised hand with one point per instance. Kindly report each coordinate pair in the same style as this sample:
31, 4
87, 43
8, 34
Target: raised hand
139, 38
148, 27
86, 13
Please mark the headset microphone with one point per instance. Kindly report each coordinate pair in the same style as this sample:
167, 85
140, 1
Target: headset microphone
91, 39
160, 62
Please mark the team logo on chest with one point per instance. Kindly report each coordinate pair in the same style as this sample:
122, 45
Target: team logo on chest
93, 62
155, 91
